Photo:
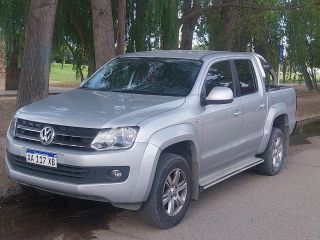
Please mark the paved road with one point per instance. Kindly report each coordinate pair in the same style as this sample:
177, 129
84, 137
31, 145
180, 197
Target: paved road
247, 206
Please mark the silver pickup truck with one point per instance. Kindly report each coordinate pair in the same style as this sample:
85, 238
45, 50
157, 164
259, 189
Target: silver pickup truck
150, 130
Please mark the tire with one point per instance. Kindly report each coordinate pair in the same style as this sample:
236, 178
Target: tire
154, 211
274, 155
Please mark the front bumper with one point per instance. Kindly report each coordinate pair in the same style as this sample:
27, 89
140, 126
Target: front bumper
135, 189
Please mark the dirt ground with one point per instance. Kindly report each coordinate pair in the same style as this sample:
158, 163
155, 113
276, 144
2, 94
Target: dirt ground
308, 106
7, 109
308, 103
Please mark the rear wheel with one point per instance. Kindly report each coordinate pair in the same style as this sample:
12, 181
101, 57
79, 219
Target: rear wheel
274, 154
169, 198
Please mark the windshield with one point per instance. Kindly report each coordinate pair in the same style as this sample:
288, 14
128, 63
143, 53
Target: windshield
154, 76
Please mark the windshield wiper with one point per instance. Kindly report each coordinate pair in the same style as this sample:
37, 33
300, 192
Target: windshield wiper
138, 91
135, 91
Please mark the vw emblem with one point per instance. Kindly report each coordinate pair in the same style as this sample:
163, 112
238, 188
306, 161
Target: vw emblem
47, 135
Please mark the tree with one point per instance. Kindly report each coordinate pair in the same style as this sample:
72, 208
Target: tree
73, 29
103, 34
139, 27
121, 27
35, 65
189, 24
303, 31
169, 25
12, 26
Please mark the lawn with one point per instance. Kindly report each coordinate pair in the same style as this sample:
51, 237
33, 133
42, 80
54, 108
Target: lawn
64, 76
296, 78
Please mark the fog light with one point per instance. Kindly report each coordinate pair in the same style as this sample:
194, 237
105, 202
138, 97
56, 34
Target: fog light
116, 173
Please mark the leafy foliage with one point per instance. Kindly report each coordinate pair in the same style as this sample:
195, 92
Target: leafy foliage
237, 25
13, 15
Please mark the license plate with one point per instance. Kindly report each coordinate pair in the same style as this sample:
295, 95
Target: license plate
42, 158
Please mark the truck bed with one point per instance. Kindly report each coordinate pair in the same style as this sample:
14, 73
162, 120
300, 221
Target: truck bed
283, 95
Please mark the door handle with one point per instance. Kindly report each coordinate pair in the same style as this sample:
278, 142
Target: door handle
262, 105
237, 113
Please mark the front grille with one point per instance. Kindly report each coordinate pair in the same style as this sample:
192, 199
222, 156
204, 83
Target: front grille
68, 173
65, 136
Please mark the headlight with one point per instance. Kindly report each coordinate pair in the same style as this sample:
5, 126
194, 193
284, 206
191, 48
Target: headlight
115, 138
12, 126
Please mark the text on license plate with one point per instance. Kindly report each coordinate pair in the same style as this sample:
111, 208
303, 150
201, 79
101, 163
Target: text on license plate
42, 158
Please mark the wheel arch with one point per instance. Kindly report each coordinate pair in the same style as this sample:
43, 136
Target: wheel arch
179, 139
187, 149
277, 117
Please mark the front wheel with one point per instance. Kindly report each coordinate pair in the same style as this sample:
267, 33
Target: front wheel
169, 198
274, 154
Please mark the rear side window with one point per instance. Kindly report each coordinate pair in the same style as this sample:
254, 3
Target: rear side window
219, 75
247, 77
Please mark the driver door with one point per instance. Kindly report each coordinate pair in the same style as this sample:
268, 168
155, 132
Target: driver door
221, 123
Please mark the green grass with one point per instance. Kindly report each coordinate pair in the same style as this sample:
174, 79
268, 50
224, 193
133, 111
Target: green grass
295, 78
64, 76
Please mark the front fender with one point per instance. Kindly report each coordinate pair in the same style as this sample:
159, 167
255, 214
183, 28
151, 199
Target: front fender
157, 143
275, 111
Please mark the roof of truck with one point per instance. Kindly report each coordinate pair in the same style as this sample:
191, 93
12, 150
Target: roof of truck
186, 54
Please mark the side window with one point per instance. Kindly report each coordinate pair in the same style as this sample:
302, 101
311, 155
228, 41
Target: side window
247, 77
219, 75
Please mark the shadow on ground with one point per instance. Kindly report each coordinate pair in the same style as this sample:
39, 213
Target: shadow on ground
34, 216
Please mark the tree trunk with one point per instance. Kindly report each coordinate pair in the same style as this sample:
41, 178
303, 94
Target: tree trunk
103, 34
284, 70
290, 72
91, 65
190, 23
35, 66
234, 35
12, 71
12, 74
140, 31
307, 78
314, 79
130, 26
121, 27
230, 24
186, 36
2, 68
81, 74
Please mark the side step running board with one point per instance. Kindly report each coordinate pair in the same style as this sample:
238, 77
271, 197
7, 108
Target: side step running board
230, 171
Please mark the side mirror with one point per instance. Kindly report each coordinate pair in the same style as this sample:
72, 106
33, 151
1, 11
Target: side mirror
219, 95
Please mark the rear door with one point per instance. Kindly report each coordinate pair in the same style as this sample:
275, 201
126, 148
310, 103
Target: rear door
253, 102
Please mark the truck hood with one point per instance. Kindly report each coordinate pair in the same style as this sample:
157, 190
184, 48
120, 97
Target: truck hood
98, 109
